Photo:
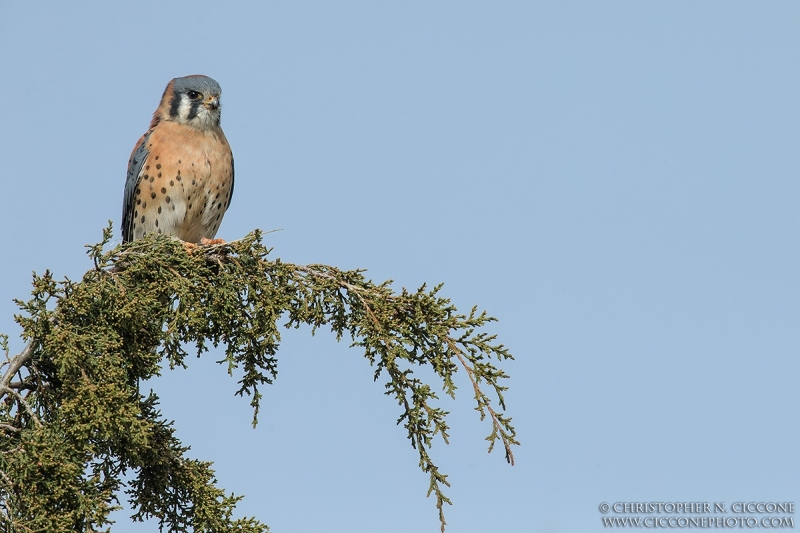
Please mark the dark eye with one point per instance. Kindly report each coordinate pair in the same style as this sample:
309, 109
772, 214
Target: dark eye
194, 95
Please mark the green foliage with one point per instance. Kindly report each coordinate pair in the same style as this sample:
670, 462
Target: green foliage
74, 422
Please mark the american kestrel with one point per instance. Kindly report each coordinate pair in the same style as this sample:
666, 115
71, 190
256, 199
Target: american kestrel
180, 174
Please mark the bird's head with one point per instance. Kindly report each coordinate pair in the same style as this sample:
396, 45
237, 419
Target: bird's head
192, 100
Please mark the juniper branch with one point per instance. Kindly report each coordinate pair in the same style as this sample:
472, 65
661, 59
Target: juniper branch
144, 303
15, 364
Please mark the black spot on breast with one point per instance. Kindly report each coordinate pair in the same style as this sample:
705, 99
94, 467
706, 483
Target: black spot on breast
190, 207
171, 183
158, 166
179, 162
159, 210
153, 195
144, 205
152, 179
159, 230
147, 167
145, 177
138, 191
159, 174
142, 219
156, 222
163, 190
168, 200
139, 201
157, 157
219, 205
136, 214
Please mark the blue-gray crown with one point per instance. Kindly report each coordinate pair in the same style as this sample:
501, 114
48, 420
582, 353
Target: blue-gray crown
199, 83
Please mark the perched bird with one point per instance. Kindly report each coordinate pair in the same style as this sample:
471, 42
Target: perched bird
180, 174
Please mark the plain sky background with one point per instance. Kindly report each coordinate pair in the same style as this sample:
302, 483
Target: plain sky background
616, 182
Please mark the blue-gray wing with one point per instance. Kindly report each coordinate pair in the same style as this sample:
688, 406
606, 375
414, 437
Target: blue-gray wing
230, 198
135, 166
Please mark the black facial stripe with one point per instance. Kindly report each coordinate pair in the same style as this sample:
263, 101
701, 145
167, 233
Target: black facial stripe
174, 104
193, 110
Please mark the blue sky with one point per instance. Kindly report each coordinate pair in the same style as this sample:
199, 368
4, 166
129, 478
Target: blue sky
616, 182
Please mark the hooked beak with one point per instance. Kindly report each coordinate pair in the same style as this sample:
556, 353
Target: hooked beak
212, 102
